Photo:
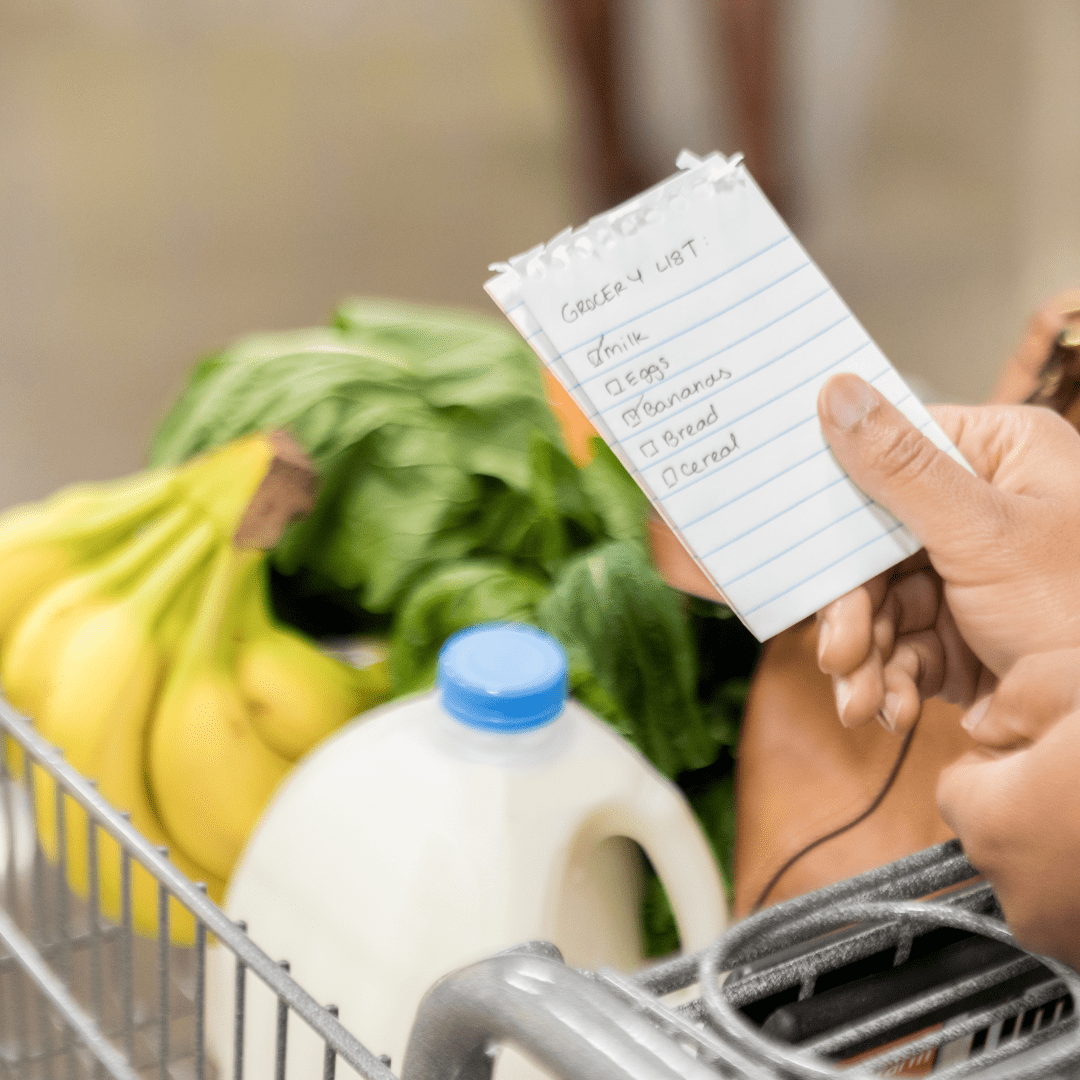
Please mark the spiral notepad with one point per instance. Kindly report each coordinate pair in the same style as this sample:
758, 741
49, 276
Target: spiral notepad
694, 331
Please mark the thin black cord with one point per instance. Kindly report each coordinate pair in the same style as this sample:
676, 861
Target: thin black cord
890, 780
1062, 361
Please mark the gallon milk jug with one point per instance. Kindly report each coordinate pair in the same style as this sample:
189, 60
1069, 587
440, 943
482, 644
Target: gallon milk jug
444, 828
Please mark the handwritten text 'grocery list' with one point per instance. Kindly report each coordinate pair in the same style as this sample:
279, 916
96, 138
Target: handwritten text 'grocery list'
695, 332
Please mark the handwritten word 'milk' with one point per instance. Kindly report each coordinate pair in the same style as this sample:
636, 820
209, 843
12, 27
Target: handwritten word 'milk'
607, 347
572, 310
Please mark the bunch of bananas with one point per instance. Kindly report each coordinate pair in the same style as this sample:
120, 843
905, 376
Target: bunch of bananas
135, 632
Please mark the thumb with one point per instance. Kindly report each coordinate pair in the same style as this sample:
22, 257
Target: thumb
942, 503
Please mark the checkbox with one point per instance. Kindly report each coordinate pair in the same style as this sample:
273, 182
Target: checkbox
648, 448
613, 387
631, 418
670, 477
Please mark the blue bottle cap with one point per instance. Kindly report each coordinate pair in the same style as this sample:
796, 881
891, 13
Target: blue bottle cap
503, 677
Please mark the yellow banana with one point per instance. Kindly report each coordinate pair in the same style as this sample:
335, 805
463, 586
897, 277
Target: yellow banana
123, 774
86, 642
123, 781
43, 543
210, 774
111, 662
125, 767
222, 481
44, 659
28, 659
107, 676
297, 694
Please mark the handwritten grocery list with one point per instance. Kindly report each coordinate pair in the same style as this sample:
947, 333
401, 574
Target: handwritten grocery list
695, 331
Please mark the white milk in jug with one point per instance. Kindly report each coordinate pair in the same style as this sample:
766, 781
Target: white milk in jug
444, 828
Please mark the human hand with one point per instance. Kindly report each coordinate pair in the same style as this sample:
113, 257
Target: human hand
1017, 381
1021, 374
1013, 800
1000, 574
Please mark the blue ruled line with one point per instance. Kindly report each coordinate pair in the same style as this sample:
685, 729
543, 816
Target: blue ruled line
763, 405
681, 296
712, 356
798, 543
686, 329
776, 476
779, 513
822, 569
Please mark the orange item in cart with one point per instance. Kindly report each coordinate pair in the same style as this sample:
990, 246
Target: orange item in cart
575, 427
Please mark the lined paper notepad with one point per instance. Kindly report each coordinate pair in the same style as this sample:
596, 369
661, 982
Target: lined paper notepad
694, 330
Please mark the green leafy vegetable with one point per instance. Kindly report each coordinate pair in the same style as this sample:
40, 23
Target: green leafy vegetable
418, 421
619, 621
453, 598
447, 499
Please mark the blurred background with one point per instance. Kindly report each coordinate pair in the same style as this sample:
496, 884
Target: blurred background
175, 175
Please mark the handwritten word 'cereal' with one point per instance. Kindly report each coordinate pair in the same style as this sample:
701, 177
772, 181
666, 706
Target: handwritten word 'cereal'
572, 310
700, 463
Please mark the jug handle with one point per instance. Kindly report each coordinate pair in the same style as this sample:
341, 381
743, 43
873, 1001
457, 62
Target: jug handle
663, 824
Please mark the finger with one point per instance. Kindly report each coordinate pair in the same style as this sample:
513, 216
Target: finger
860, 694
963, 669
947, 508
911, 604
1035, 695
963, 799
845, 627
913, 673
1021, 374
994, 438
850, 625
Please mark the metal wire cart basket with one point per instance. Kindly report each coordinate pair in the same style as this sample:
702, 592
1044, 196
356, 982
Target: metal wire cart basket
864, 978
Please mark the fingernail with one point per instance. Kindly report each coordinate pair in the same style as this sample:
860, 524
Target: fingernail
846, 399
973, 717
883, 720
891, 711
843, 696
822, 639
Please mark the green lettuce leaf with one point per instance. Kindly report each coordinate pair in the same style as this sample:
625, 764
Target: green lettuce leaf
431, 434
617, 619
453, 598
621, 505
447, 499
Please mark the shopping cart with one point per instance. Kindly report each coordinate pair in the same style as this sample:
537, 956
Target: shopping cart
863, 972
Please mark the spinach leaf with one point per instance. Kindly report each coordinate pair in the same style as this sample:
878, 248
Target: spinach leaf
431, 434
621, 504
618, 619
447, 499
459, 595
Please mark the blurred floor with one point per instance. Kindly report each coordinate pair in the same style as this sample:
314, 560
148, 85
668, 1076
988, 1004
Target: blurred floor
171, 177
